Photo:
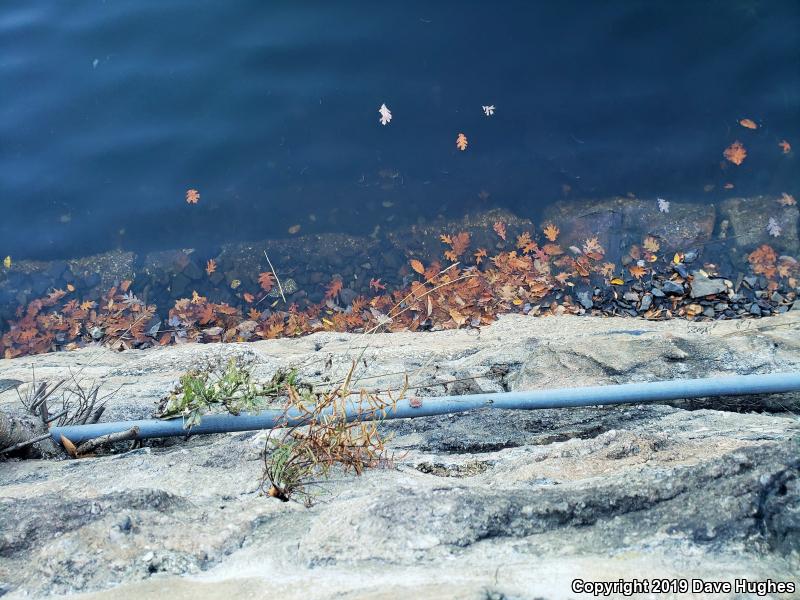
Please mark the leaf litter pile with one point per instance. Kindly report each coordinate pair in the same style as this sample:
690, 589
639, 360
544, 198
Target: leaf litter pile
526, 272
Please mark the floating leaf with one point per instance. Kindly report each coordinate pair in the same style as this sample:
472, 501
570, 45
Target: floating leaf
735, 153
294, 229
786, 200
386, 114
480, 254
211, 266
461, 142
785, 146
376, 285
748, 123
500, 229
192, 196
7, 262
663, 205
248, 297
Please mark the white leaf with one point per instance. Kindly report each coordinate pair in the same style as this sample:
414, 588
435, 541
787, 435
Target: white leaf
773, 228
386, 114
663, 205
489, 110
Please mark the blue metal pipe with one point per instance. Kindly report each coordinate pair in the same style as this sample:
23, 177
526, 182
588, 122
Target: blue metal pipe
409, 408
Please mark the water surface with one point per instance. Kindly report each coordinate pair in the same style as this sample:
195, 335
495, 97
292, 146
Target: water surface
110, 111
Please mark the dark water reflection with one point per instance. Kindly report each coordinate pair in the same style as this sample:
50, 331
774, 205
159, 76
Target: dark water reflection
111, 110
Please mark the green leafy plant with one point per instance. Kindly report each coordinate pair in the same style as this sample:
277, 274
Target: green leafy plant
230, 388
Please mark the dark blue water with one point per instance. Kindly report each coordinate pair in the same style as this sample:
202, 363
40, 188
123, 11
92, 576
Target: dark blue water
111, 110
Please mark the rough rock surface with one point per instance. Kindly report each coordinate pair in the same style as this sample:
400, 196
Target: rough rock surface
490, 504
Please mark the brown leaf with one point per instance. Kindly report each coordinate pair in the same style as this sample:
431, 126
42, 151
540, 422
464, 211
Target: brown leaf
500, 229
69, 446
461, 142
748, 123
551, 232
417, 266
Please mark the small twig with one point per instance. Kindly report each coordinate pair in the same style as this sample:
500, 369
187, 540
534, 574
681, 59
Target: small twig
58, 416
110, 438
39, 438
280, 287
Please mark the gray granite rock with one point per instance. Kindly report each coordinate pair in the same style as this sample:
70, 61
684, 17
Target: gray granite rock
515, 504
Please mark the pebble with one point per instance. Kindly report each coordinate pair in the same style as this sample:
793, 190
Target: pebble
670, 287
631, 296
681, 270
585, 299
647, 302
755, 309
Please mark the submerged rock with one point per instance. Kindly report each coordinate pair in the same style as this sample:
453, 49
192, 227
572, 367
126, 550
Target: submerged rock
702, 285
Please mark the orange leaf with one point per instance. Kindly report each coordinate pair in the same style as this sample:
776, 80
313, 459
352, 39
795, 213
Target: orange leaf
211, 266
417, 266
253, 314
248, 297
735, 153
786, 200
192, 196
500, 229
750, 124
461, 142
480, 254
265, 280
551, 232
785, 146
334, 287
637, 271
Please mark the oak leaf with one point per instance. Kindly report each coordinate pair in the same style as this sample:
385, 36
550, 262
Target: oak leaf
480, 254
192, 196
592, 245
461, 142
786, 200
266, 280
551, 232
785, 146
735, 153
333, 288
500, 229
211, 266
